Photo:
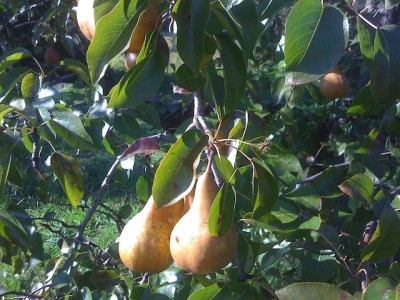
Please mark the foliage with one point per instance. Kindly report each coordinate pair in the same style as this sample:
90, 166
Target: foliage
312, 184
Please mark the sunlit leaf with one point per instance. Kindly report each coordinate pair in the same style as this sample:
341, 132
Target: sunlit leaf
176, 174
234, 71
382, 288
384, 242
312, 291
113, 32
71, 129
13, 56
267, 189
5, 163
360, 187
191, 18
366, 36
80, 69
315, 40
221, 212
140, 83
206, 293
30, 85
9, 79
70, 175
12, 230
305, 195
385, 70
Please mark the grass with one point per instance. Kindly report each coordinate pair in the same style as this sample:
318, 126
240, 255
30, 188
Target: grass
101, 230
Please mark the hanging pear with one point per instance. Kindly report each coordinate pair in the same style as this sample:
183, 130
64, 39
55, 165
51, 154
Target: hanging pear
144, 241
192, 246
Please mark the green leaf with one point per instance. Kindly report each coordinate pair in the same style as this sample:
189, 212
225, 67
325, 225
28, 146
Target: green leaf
389, 4
326, 185
315, 40
245, 13
142, 189
113, 32
360, 187
5, 163
215, 84
30, 85
207, 293
80, 69
185, 78
381, 288
25, 108
191, 18
364, 105
105, 279
103, 7
13, 56
9, 79
273, 7
366, 36
25, 139
70, 175
140, 83
176, 174
267, 189
306, 196
312, 291
312, 223
223, 21
225, 169
71, 129
221, 212
126, 127
385, 71
384, 242
235, 74
12, 230
318, 265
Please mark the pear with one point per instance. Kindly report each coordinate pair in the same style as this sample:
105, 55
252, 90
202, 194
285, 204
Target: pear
192, 246
144, 241
85, 18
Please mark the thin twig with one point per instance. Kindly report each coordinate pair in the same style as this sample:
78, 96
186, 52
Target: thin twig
97, 200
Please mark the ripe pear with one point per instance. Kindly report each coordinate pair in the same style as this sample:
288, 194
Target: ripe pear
144, 241
85, 18
149, 19
334, 84
192, 246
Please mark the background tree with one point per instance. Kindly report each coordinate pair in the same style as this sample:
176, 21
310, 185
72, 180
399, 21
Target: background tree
309, 183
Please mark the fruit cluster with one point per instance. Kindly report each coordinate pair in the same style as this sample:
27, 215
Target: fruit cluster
156, 237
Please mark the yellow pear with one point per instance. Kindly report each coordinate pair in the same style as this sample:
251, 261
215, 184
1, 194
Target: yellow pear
85, 18
192, 246
144, 241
